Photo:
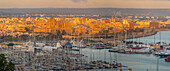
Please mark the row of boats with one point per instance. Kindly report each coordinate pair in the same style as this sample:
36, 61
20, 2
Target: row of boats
56, 56
76, 46
133, 48
162, 50
163, 53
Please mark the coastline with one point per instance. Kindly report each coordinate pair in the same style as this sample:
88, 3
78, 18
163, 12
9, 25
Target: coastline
134, 36
147, 34
121, 38
143, 35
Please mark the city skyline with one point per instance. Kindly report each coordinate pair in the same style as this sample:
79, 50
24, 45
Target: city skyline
151, 4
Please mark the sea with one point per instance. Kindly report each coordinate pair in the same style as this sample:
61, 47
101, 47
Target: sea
161, 36
138, 62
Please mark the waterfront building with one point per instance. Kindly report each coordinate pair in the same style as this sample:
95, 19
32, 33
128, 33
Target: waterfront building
154, 24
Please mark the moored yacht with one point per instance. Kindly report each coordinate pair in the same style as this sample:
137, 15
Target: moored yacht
163, 53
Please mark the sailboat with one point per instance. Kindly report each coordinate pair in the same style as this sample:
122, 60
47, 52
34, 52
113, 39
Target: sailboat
114, 48
82, 44
58, 45
30, 46
75, 46
75, 49
47, 48
164, 53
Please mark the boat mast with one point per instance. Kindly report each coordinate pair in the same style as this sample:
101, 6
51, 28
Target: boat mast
154, 39
160, 38
104, 49
91, 55
33, 34
115, 55
157, 67
125, 33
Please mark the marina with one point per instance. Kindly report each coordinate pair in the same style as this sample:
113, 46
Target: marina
56, 56
85, 35
45, 57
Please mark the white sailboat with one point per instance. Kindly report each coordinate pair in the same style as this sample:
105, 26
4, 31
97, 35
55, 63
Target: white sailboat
75, 46
47, 48
58, 45
81, 44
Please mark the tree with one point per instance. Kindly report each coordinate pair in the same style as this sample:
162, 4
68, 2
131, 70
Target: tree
64, 32
24, 37
11, 44
27, 29
59, 34
5, 65
139, 30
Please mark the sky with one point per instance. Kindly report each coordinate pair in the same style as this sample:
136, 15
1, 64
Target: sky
85, 4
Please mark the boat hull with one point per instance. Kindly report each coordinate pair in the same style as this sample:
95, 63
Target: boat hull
113, 50
164, 55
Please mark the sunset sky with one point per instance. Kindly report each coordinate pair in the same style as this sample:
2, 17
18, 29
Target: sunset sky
85, 4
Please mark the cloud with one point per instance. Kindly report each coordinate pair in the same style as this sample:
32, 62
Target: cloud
77, 1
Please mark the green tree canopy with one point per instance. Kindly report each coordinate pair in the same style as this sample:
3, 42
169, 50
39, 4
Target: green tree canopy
64, 32
5, 65
11, 44
27, 29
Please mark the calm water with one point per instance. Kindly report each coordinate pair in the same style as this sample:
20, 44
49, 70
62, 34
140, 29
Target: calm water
163, 36
138, 62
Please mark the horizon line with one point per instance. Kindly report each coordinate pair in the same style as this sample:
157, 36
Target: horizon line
85, 8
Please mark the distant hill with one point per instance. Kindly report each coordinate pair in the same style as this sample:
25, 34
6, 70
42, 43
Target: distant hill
88, 11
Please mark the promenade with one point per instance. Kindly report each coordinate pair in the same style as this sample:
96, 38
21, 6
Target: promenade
131, 36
